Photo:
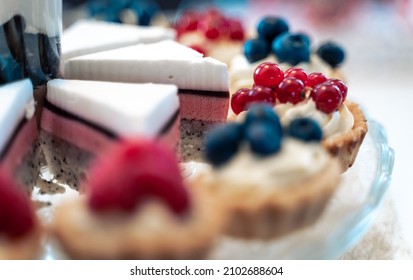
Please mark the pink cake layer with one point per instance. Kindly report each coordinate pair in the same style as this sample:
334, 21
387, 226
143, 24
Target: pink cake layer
20, 146
90, 139
201, 107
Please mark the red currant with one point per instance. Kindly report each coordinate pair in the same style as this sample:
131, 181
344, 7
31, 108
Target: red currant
315, 78
260, 94
187, 22
239, 100
236, 30
298, 73
341, 86
327, 97
198, 49
268, 74
290, 90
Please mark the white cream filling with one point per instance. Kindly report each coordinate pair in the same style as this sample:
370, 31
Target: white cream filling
333, 125
41, 16
294, 163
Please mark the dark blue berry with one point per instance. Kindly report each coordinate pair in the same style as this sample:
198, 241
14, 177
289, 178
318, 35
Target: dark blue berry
256, 49
262, 138
264, 113
145, 11
331, 53
292, 48
305, 129
10, 70
270, 27
223, 142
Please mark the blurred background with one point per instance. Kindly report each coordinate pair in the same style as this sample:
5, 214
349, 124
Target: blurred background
377, 36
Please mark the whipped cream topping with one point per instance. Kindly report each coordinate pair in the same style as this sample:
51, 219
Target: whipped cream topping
294, 163
333, 125
41, 16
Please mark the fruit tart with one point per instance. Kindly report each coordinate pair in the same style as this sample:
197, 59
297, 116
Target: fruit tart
137, 206
21, 233
295, 93
273, 180
276, 42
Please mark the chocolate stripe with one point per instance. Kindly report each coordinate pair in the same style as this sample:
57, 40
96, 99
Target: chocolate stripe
12, 137
65, 114
208, 93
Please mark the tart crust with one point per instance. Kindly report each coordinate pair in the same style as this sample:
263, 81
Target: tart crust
27, 247
271, 214
152, 232
346, 146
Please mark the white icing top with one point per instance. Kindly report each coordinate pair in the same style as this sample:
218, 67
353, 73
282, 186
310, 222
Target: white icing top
90, 36
242, 72
126, 109
294, 163
166, 62
16, 101
334, 124
41, 16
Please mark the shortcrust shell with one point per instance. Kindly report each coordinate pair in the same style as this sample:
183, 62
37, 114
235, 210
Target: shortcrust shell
269, 214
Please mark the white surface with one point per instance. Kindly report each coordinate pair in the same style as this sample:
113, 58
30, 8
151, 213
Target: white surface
14, 99
89, 36
127, 109
166, 62
43, 16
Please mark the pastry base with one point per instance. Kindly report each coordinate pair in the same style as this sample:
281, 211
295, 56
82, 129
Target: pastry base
346, 147
267, 215
152, 232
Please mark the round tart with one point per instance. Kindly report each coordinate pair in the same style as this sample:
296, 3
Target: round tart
21, 233
295, 93
273, 180
137, 206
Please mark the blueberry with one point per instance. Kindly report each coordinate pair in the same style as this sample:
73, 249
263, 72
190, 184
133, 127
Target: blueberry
331, 53
264, 113
223, 142
305, 129
145, 10
256, 49
263, 138
10, 70
292, 48
270, 27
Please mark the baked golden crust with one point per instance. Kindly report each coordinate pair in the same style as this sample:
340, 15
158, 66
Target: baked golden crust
153, 232
27, 247
265, 215
346, 146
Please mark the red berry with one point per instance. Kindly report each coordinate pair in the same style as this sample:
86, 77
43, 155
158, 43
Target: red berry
315, 78
187, 22
239, 100
327, 97
198, 49
298, 73
236, 30
212, 33
290, 90
260, 94
132, 172
16, 212
268, 74
341, 86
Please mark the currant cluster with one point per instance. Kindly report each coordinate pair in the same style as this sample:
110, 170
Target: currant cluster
271, 84
212, 23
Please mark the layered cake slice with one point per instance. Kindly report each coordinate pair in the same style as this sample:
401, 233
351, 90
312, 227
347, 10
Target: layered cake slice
202, 81
19, 153
90, 36
81, 119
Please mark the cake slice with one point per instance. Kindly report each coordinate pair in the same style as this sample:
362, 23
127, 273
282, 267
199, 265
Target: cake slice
202, 81
19, 153
90, 36
81, 119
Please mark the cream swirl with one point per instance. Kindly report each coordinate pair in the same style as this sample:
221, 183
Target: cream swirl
334, 124
294, 163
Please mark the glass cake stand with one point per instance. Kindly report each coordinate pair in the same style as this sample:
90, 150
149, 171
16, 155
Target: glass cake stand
345, 221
